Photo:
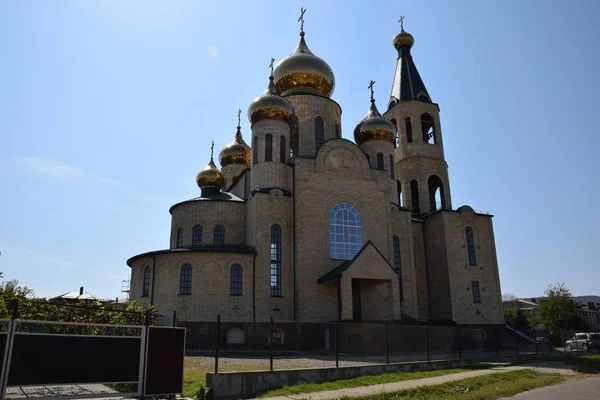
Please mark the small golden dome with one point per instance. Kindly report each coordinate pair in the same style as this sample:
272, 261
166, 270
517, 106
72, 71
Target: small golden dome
374, 127
403, 39
302, 71
270, 106
236, 152
210, 176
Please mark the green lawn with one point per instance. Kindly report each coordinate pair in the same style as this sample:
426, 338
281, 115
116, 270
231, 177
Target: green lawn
361, 381
488, 387
589, 364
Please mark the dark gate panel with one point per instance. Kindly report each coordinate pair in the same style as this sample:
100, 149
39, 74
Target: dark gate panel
164, 363
46, 359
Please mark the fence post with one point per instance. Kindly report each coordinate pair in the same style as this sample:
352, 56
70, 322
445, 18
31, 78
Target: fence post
337, 346
385, 337
217, 343
145, 351
535, 341
427, 340
271, 346
458, 342
497, 344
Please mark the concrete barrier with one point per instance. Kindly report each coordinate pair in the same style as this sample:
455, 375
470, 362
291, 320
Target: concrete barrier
244, 385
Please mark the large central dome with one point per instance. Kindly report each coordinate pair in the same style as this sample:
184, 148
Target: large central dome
302, 71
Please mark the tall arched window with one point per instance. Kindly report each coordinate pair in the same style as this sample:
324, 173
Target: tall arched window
146, 285
437, 199
345, 232
179, 241
338, 131
197, 236
185, 279
319, 133
408, 124
282, 149
276, 261
219, 235
392, 168
255, 150
471, 246
393, 121
235, 280
380, 161
269, 147
398, 265
399, 190
294, 136
428, 129
414, 196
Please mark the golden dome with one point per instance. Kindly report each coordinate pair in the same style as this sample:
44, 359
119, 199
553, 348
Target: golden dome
374, 127
270, 106
210, 176
236, 152
403, 39
302, 71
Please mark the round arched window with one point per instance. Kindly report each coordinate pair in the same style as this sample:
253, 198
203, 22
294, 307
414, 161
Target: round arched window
345, 231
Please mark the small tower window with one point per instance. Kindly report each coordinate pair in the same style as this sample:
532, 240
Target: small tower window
197, 236
414, 196
338, 131
471, 246
146, 283
276, 261
269, 147
185, 279
294, 136
282, 150
393, 120
398, 265
428, 129
235, 281
399, 190
319, 133
179, 241
392, 168
219, 235
380, 161
437, 199
255, 150
475, 290
408, 124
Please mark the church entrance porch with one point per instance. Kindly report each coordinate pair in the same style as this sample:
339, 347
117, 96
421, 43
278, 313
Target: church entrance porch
371, 300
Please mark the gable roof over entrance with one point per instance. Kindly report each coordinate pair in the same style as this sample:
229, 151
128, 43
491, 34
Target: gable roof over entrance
368, 263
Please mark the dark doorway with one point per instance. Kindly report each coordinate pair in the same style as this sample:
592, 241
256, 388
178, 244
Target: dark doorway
356, 301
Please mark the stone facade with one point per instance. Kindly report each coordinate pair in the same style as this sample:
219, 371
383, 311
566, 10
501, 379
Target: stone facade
404, 251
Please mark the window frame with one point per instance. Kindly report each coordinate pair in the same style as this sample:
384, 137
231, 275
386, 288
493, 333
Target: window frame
146, 282
268, 147
179, 238
345, 234
282, 149
185, 280
276, 247
380, 162
476, 292
471, 253
197, 235
319, 125
219, 233
236, 280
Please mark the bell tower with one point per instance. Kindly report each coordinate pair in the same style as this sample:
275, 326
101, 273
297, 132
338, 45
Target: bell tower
423, 183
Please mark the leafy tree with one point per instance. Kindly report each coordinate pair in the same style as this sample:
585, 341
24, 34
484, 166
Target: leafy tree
512, 314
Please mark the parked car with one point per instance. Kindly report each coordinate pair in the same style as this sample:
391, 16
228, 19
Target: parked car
542, 340
583, 341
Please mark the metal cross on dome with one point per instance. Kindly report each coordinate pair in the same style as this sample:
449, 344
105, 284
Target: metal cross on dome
401, 20
212, 146
271, 65
301, 19
371, 87
239, 117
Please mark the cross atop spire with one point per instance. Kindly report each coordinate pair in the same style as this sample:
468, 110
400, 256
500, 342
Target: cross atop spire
301, 20
271, 65
371, 87
239, 117
401, 20
212, 146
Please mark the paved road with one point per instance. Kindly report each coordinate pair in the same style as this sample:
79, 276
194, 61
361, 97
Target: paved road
579, 389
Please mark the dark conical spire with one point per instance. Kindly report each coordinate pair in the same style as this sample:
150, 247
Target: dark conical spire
408, 84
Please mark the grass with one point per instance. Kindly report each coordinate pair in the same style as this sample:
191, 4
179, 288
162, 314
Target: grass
362, 381
589, 364
488, 387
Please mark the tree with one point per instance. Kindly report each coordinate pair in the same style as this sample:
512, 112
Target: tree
557, 311
513, 315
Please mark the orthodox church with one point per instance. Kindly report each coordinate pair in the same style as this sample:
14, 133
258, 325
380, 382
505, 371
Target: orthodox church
304, 225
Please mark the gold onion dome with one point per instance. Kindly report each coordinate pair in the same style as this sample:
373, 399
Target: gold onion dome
210, 176
302, 71
374, 127
236, 152
270, 106
403, 39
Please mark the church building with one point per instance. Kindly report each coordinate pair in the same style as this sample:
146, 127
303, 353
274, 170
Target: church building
304, 225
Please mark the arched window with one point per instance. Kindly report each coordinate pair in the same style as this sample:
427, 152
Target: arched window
398, 265
179, 240
408, 124
393, 121
294, 136
392, 168
255, 150
345, 232
276, 261
197, 236
338, 131
146, 285
399, 190
185, 279
380, 161
414, 196
319, 133
219, 235
428, 129
282, 149
471, 246
269, 147
437, 199
235, 280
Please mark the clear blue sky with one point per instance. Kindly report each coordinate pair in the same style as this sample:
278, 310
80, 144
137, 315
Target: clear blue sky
107, 110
